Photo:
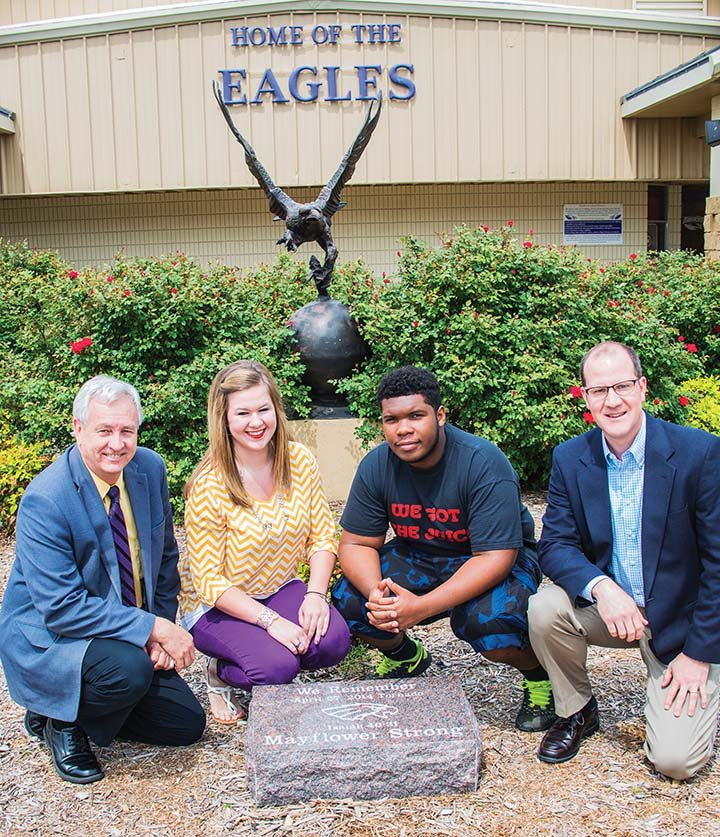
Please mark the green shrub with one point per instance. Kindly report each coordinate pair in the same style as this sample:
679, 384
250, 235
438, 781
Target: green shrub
503, 325
19, 463
166, 325
701, 398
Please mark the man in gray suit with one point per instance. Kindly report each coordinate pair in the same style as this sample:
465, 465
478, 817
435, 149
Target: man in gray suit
88, 639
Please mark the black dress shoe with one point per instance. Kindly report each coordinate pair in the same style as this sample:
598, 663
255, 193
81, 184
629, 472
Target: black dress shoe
35, 724
562, 741
72, 757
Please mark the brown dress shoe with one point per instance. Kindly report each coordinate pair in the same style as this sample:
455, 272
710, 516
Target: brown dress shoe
562, 741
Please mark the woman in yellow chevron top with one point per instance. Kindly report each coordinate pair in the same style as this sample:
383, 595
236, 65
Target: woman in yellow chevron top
255, 509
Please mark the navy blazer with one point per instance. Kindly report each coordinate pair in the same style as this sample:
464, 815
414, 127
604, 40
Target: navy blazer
680, 532
64, 587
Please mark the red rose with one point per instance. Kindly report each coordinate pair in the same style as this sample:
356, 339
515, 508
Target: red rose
386, 281
588, 416
79, 346
110, 278
576, 392
692, 348
527, 243
510, 223
415, 323
485, 229
72, 274
633, 256
532, 231
449, 330
173, 290
681, 339
398, 253
601, 269
666, 293
684, 400
656, 401
127, 292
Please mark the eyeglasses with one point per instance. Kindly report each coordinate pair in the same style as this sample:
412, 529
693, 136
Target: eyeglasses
601, 393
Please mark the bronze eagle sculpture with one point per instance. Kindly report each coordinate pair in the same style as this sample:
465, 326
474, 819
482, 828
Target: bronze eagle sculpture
308, 221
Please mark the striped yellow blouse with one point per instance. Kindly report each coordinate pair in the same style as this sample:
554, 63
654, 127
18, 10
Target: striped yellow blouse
255, 550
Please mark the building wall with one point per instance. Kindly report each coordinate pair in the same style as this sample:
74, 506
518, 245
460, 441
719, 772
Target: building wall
26, 11
496, 101
235, 227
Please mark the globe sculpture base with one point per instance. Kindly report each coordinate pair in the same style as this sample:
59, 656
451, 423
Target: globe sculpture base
330, 346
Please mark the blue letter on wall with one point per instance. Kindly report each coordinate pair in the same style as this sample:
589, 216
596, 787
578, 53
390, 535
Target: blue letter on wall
269, 85
228, 87
332, 91
401, 81
311, 85
365, 81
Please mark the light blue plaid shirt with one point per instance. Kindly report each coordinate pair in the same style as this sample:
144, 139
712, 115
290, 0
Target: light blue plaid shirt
626, 477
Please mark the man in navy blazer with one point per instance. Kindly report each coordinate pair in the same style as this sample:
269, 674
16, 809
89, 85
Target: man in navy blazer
88, 639
631, 540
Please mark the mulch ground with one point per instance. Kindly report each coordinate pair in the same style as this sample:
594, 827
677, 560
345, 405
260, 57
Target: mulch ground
202, 790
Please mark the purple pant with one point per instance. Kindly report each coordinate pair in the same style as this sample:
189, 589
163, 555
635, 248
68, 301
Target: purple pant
248, 656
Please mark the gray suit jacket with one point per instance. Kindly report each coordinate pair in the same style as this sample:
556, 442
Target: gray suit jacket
64, 587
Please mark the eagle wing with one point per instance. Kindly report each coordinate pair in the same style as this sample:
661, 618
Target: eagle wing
328, 201
280, 203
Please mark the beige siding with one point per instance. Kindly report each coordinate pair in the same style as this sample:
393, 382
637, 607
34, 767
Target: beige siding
495, 101
25, 11
672, 7
234, 226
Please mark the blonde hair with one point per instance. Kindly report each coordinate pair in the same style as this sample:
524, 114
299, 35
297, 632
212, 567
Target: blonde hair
237, 377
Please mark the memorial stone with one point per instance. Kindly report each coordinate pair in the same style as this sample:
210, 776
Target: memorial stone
363, 739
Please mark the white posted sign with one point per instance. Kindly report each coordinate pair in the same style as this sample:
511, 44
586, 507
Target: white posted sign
592, 223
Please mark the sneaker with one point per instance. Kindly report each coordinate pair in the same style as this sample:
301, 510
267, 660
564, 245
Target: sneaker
417, 664
537, 710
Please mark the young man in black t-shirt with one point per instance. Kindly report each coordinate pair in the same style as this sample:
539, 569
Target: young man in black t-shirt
464, 543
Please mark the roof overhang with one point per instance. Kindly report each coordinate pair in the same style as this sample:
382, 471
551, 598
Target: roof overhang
7, 121
199, 11
687, 90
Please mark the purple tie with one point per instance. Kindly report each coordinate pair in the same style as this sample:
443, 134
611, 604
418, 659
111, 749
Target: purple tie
122, 547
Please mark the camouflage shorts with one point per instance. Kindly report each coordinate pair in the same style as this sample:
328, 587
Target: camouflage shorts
495, 619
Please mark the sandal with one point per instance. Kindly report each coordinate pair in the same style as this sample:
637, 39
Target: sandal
227, 693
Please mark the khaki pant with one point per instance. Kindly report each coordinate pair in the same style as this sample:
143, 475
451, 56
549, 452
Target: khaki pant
560, 635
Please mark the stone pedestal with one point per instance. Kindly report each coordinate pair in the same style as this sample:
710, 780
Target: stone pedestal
336, 448
363, 739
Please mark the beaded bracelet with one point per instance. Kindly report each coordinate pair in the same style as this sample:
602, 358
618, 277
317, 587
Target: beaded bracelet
266, 617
